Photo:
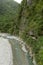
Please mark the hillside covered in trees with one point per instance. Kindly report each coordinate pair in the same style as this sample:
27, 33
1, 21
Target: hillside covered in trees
8, 16
31, 26
26, 21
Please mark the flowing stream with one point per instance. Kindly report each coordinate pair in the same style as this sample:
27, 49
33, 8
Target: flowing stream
13, 52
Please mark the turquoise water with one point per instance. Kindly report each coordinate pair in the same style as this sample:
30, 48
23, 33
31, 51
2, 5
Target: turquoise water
19, 57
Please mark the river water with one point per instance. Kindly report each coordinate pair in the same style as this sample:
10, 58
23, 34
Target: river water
19, 56
11, 52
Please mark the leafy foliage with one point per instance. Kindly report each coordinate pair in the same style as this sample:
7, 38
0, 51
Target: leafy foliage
8, 16
25, 20
31, 26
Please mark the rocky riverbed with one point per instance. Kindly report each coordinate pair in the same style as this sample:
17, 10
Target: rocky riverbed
6, 57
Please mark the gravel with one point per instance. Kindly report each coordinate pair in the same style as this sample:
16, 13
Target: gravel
6, 57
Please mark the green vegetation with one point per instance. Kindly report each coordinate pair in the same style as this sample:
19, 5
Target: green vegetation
8, 16
31, 26
25, 20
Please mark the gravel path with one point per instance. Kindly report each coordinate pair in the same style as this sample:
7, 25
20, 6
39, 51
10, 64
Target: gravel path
6, 57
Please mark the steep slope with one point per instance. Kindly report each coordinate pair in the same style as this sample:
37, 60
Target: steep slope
8, 16
31, 26
31, 16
